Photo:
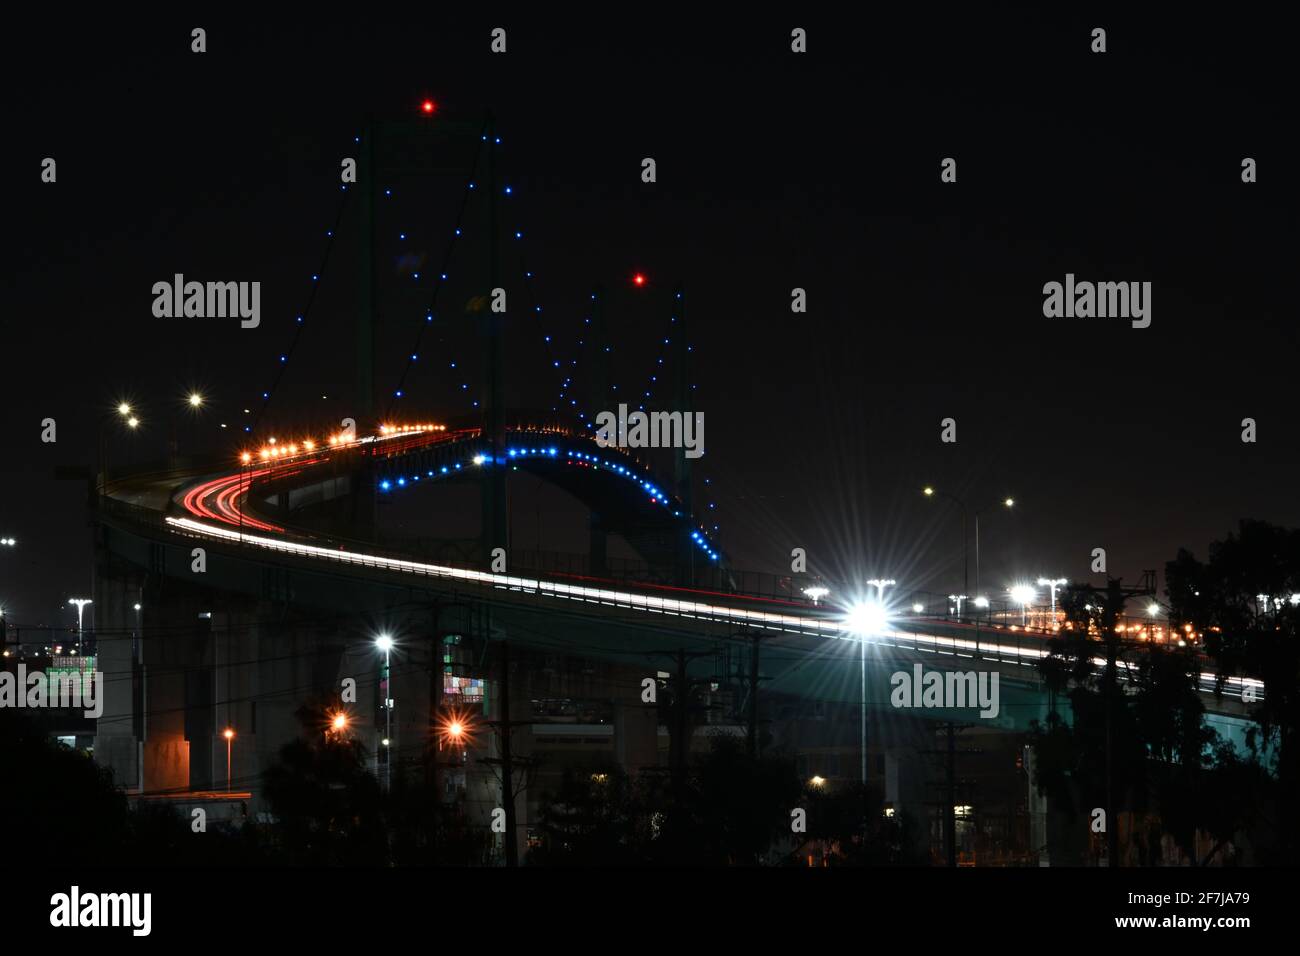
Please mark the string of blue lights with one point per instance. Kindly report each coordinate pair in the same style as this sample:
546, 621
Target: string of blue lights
439, 281
300, 319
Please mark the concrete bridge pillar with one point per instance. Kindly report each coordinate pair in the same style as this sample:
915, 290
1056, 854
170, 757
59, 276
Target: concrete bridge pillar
599, 545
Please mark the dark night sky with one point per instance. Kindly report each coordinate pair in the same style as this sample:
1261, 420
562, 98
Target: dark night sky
775, 171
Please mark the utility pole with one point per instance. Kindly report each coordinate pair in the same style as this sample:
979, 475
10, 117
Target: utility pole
1112, 601
950, 803
753, 699
507, 760
679, 743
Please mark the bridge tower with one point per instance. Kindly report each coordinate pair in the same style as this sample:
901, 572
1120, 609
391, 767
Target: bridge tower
598, 398
495, 528
685, 554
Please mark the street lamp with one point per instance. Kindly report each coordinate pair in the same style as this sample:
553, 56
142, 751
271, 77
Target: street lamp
1008, 502
230, 736
863, 620
1052, 583
816, 592
126, 415
81, 605
385, 643
1023, 595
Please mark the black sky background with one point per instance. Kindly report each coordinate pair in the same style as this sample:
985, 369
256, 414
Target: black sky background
775, 171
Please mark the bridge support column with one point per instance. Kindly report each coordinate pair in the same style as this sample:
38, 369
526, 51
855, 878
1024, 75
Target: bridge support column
119, 730
363, 522
599, 546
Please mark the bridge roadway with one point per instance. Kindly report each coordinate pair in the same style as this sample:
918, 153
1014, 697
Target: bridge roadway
806, 649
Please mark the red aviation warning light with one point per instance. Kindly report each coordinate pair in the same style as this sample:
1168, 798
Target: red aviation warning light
638, 280
427, 107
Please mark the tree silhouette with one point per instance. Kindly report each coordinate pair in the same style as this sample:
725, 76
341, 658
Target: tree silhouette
1240, 600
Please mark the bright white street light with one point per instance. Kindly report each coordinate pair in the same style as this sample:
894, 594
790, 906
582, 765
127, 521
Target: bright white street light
81, 606
863, 620
1023, 595
918, 608
817, 592
866, 618
981, 602
1153, 609
1052, 583
385, 643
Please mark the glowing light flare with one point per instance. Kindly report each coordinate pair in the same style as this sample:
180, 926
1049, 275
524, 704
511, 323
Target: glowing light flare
1022, 594
456, 729
427, 107
866, 618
